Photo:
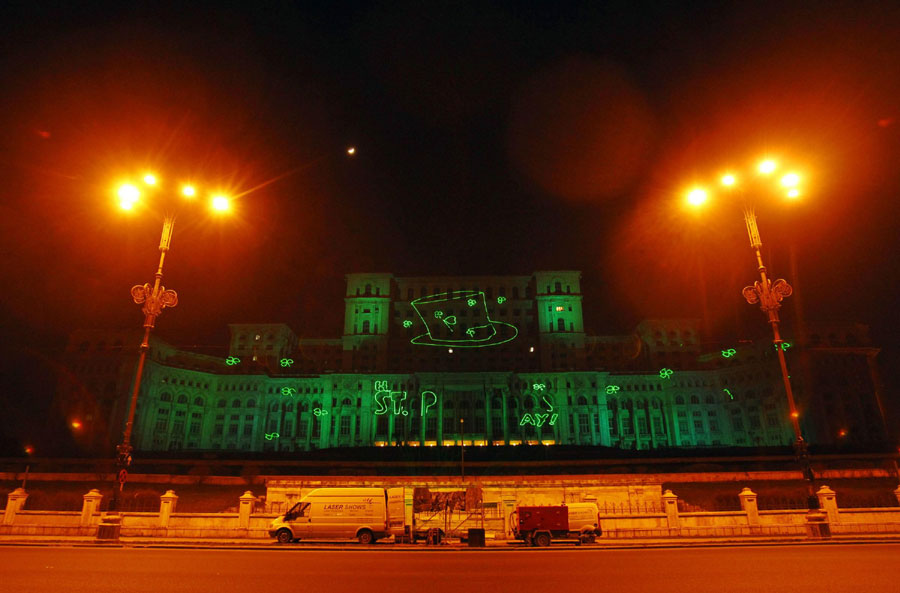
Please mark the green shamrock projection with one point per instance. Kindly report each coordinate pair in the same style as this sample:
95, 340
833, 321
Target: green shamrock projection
232, 360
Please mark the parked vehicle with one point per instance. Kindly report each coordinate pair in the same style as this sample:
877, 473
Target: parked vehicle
364, 514
538, 525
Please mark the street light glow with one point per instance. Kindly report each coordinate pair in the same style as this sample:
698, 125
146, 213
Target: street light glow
150, 179
767, 166
128, 195
76, 424
220, 203
697, 196
790, 180
188, 191
728, 179
793, 193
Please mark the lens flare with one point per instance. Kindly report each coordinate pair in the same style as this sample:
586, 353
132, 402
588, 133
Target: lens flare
697, 196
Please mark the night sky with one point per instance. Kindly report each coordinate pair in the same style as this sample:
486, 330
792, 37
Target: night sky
491, 138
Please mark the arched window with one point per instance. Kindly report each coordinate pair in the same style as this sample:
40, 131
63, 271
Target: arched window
695, 399
346, 402
365, 326
251, 403
561, 325
198, 401
709, 399
221, 403
529, 403
182, 399
497, 403
165, 397
236, 403
557, 286
612, 404
368, 289
582, 401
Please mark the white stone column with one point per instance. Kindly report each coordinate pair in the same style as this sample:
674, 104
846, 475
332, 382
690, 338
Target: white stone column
90, 506
245, 509
15, 500
167, 504
749, 505
670, 504
828, 503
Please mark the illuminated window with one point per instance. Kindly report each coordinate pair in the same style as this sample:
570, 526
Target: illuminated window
560, 308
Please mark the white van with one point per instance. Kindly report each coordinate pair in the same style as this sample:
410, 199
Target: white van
341, 513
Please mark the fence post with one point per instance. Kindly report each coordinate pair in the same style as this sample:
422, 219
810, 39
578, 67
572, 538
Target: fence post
90, 506
828, 503
897, 494
749, 505
167, 504
670, 503
15, 500
245, 509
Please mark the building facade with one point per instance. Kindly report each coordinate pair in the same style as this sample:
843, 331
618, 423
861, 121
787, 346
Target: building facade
436, 361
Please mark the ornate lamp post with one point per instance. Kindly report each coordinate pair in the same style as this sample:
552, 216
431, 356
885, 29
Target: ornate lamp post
769, 295
154, 299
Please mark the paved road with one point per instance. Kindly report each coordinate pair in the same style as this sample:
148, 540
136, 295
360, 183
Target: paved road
830, 568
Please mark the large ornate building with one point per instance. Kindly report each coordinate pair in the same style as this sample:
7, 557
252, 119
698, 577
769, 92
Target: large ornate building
432, 361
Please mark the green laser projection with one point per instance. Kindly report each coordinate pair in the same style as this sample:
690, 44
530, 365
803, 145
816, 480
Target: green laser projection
286, 362
272, 435
232, 360
407, 323
538, 419
501, 300
610, 389
397, 398
443, 329
666, 373
319, 412
729, 353
726, 390
291, 391
784, 346
429, 399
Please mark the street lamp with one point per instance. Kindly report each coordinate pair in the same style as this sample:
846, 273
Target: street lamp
154, 299
769, 295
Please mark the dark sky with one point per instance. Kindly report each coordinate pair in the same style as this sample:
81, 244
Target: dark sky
492, 138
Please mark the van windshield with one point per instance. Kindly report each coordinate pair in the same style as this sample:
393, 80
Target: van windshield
298, 510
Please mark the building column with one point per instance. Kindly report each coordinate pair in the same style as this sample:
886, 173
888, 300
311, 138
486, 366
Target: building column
749, 505
167, 504
90, 506
245, 509
15, 500
670, 504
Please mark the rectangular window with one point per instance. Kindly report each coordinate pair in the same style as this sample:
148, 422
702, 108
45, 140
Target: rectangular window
737, 423
683, 427
497, 426
195, 428
713, 425
584, 424
754, 422
248, 430
217, 431
448, 427
345, 426
613, 429
161, 424
178, 428
232, 429
431, 432
288, 427
642, 426
301, 429
698, 426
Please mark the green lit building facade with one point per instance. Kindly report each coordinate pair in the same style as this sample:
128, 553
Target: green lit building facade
435, 361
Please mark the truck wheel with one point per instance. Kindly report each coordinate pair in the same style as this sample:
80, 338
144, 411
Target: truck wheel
542, 540
284, 536
365, 537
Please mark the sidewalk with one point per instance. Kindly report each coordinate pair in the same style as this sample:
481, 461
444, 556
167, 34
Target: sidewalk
451, 545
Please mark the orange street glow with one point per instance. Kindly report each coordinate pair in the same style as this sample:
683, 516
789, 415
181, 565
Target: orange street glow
728, 179
128, 195
793, 193
351, 151
150, 179
188, 191
790, 180
76, 424
697, 196
220, 203
767, 166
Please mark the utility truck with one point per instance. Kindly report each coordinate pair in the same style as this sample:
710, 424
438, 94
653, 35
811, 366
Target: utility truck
364, 514
538, 525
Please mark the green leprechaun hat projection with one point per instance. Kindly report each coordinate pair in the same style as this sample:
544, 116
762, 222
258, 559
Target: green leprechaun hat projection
460, 320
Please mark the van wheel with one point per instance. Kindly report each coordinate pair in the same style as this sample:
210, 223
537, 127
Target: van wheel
542, 540
284, 536
365, 537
